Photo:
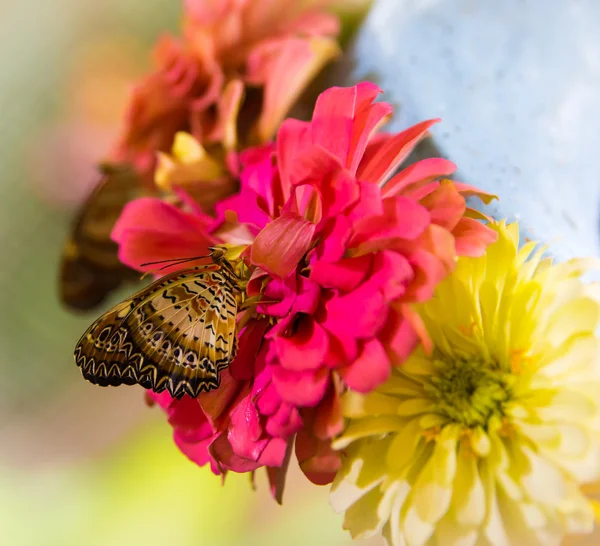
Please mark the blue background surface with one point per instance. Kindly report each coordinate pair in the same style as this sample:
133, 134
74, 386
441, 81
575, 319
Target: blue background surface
517, 85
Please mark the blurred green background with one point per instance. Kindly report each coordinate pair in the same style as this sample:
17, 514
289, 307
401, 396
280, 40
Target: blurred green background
79, 464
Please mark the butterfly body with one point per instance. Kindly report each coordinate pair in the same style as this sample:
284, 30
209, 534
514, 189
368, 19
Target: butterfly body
177, 335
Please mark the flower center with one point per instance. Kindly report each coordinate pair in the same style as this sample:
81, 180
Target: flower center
469, 392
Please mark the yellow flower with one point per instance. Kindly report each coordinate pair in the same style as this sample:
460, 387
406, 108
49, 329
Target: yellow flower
488, 439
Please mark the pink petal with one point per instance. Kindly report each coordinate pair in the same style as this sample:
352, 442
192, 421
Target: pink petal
392, 152
398, 337
370, 203
268, 400
402, 218
282, 291
328, 419
345, 275
358, 314
304, 388
306, 349
332, 120
285, 422
245, 429
313, 165
198, 452
472, 237
151, 230
222, 452
250, 341
150, 213
205, 13
391, 274
259, 174
422, 171
216, 403
163, 399
368, 117
228, 107
419, 191
306, 201
274, 452
343, 348
334, 239
317, 460
293, 139
344, 118
287, 68
189, 421
247, 438
250, 207
429, 271
339, 192
308, 298
277, 475
369, 370
282, 244
418, 325
315, 23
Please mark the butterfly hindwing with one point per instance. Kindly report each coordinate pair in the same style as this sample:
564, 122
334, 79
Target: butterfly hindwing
90, 268
177, 334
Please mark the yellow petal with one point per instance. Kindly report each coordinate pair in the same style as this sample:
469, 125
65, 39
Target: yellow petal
402, 448
361, 518
372, 426
469, 497
355, 405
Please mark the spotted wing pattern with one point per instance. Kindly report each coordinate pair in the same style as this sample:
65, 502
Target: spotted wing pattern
177, 334
90, 268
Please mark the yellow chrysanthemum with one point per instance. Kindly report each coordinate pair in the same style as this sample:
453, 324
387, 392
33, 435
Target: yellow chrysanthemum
488, 439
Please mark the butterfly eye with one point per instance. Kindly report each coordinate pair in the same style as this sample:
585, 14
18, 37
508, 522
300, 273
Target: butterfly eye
157, 336
148, 327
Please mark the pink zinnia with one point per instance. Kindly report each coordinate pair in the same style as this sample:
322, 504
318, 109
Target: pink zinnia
339, 248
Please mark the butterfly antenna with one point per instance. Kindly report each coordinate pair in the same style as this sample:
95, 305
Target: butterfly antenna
173, 261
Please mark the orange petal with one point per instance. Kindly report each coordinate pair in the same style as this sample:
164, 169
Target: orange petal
445, 205
472, 237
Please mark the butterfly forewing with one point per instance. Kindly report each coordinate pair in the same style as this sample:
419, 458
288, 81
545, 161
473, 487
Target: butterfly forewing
177, 334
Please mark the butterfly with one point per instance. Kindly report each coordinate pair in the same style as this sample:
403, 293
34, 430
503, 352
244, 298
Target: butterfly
90, 268
177, 334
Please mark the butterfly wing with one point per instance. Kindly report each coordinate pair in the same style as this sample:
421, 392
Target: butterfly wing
90, 268
177, 334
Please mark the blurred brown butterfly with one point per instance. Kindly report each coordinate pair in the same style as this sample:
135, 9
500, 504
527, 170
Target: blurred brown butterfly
90, 268
176, 334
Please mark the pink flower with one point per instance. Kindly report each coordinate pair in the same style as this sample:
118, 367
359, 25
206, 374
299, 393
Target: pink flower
230, 48
337, 248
